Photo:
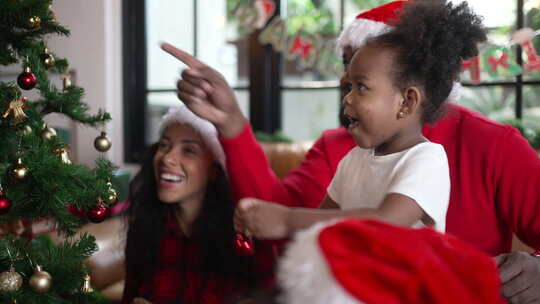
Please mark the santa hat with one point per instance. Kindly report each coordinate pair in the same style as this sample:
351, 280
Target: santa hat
371, 23
375, 22
208, 132
354, 261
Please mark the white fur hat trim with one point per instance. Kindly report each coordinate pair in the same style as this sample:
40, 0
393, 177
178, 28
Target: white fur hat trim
208, 132
358, 32
304, 275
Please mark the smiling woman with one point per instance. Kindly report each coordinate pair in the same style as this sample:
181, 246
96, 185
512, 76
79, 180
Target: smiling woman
181, 242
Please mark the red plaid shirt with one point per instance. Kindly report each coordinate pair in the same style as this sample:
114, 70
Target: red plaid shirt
178, 277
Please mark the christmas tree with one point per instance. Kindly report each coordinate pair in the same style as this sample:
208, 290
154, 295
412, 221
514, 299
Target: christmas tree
37, 179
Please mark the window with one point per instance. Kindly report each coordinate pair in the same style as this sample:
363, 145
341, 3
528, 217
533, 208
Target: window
279, 90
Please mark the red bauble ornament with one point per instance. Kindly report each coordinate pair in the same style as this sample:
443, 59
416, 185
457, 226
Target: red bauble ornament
98, 214
5, 204
76, 210
243, 245
27, 80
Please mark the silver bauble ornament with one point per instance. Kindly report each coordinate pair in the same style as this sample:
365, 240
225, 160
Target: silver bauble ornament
10, 280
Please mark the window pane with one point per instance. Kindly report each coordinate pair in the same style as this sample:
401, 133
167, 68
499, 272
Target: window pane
160, 102
219, 40
170, 21
531, 11
242, 97
501, 20
503, 14
531, 106
312, 27
496, 102
306, 113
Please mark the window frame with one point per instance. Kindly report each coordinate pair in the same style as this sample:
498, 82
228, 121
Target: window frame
265, 83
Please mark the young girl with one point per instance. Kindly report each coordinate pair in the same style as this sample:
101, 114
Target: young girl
399, 82
180, 241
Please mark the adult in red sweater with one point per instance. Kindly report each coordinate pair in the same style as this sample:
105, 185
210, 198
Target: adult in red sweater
495, 174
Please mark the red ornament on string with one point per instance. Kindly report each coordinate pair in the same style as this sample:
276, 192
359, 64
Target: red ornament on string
27, 80
98, 214
5, 204
75, 210
243, 245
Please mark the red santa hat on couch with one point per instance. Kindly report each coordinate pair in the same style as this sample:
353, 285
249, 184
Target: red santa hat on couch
354, 261
375, 22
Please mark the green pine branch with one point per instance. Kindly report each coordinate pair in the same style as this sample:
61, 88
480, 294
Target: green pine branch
52, 184
64, 262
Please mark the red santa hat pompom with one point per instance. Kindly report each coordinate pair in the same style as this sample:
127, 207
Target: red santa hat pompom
353, 261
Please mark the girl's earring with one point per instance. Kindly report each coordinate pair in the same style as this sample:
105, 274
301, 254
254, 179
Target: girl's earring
401, 114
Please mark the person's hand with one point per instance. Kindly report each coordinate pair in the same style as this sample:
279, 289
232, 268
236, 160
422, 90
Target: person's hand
262, 219
140, 301
206, 92
520, 277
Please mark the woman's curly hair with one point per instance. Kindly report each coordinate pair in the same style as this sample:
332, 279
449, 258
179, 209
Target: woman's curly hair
430, 41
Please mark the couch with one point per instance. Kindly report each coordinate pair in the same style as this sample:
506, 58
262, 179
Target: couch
107, 268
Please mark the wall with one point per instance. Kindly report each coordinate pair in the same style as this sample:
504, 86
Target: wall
93, 50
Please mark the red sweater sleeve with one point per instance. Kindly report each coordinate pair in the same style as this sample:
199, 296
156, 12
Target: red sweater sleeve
518, 187
251, 175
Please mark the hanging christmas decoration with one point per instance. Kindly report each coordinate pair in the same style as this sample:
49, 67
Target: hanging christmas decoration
64, 155
500, 62
47, 59
27, 80
473, 66
102, 142
66, 81
86, 287
243, 245
26, 130
10, 281
47, 132
112, 196
275, 34
33, 23
5, 203
73, 209
15, 108
98, 213
40, 281
19, 172
524, 37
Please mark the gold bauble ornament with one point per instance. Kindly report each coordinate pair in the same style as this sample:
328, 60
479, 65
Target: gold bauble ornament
102, 142
86, 287
48, 59
26, 130
33, 23
112, 197
64, 155
10, 280
40, 281
66, 81
48, 133
19, 172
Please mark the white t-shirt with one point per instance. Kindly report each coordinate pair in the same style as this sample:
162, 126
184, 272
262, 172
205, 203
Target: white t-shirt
362, 180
